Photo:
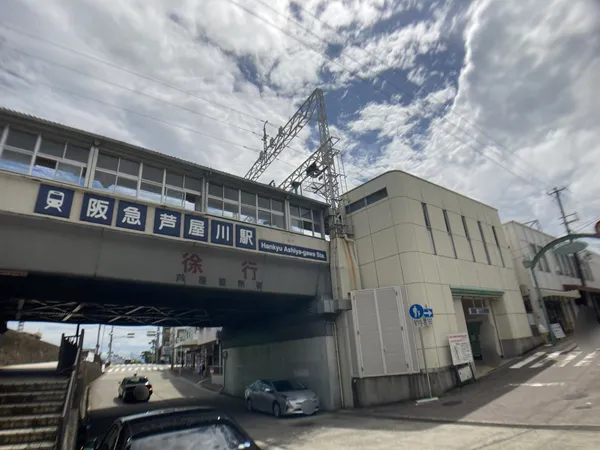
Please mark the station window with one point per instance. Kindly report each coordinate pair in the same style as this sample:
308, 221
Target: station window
428, 225
55, 159
485, 247
498, 245
449, 230
17, 151
245, 206
464, 221
306, 221
156, 185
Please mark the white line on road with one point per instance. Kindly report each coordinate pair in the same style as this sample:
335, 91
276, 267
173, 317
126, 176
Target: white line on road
527, 360
570, 357
551, 357
587, 360
555, 383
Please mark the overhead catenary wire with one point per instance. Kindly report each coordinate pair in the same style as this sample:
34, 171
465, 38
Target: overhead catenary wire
485, 145
482, 153
132, 72
474, 124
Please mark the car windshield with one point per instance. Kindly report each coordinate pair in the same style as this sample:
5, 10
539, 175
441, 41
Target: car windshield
288, 385
213, 437
137, 380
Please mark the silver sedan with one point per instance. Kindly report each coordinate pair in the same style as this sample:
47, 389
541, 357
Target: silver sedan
281, 398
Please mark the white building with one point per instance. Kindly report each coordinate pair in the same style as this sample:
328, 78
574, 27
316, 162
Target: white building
451, 255
557, 276
195, 345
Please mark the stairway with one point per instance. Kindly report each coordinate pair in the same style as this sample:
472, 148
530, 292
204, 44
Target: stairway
30, 410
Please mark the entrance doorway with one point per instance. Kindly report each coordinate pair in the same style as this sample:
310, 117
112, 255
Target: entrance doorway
480, 324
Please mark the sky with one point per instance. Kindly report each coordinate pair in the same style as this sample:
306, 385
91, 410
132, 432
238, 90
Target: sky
493, 99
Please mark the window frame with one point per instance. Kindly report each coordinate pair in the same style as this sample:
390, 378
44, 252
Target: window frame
498, 245
428, 226
485, 247
449, 230
468, 236
313, 233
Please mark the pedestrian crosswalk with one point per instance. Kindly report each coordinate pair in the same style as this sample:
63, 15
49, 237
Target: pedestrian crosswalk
573, 358
136, 368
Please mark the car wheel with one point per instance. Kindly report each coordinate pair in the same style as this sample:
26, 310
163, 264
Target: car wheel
249, 406
276, 410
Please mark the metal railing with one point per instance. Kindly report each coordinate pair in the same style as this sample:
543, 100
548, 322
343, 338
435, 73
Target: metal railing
65, 352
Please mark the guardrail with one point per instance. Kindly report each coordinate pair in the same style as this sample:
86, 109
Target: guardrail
76, 340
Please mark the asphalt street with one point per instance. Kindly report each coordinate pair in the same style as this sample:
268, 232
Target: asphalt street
351, 429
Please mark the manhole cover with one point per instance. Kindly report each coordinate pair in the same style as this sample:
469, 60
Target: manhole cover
452, 403
575, 396
583, 407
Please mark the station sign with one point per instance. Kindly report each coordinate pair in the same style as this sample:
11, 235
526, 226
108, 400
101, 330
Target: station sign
98, 209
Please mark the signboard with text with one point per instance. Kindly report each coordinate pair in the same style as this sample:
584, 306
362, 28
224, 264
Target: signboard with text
99, 209
460, 348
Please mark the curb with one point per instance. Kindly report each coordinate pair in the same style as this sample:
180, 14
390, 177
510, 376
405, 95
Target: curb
486, 423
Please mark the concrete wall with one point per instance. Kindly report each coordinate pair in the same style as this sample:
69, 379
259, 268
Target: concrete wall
67, 246
310, 361
394, 248
21, 348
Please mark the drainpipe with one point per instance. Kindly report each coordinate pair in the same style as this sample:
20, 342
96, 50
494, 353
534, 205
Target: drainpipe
339, 365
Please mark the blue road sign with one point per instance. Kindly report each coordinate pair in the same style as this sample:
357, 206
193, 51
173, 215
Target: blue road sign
416, 311
428, 313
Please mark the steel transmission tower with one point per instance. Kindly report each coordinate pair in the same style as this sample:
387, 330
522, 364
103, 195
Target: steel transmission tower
322, 170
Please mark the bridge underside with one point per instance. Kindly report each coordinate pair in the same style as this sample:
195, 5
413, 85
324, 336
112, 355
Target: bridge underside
51, 298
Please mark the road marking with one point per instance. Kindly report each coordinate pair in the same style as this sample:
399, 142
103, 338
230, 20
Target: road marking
551, 357
587, 360
570, 357
555, 383
527, 360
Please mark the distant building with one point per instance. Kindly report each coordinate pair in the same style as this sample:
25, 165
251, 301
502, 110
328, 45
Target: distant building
556, 275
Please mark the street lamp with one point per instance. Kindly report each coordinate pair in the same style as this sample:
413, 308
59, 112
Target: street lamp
529, 265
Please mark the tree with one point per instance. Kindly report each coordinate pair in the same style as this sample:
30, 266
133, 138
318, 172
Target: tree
147, 356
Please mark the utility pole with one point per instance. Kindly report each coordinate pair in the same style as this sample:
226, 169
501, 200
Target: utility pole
157, 349
112, 332
566, 221
98, 340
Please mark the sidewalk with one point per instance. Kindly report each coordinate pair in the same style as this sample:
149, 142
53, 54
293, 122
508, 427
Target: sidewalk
508, 397
194, 377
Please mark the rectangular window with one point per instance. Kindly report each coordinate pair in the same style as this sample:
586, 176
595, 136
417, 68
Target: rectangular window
305, 221
585, 265
487, 252
223, 201
365, 201
428, 226
449, 230
464, 221
61, 160
498, 245
17, 151
271, 212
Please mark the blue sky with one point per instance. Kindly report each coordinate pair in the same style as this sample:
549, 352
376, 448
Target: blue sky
493, 99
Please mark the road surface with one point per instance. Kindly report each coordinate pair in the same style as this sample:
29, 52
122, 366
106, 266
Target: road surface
356, 429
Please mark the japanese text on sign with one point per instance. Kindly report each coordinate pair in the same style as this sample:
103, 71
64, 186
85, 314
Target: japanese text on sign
460, 348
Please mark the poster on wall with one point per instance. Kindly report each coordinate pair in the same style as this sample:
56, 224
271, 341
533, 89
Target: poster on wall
460, 348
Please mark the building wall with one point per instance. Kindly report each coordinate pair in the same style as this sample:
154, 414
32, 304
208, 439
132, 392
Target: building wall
394, 248
552, 271
303, 349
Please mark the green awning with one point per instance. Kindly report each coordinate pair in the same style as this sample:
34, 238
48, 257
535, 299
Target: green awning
466, 291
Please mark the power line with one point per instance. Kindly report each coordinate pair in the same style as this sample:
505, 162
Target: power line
166, 122
587, 224
135, 91
378, 89
130, 71
481, 130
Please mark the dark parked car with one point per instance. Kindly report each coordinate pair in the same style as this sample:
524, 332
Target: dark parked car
135, 388
191, 428
281, 398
